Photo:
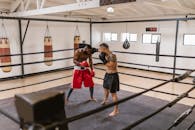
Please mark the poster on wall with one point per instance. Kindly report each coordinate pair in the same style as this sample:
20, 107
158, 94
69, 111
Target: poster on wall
110, 2
151, 29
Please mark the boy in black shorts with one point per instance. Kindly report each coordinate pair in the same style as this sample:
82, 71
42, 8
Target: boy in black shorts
111, 79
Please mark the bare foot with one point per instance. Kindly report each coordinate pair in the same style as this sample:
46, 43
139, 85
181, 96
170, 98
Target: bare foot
66, 101
114, 113
104, 102
93, 99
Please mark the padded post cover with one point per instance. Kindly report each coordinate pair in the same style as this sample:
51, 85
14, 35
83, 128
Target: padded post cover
41, 108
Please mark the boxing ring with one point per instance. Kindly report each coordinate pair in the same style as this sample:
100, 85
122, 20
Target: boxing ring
130, 123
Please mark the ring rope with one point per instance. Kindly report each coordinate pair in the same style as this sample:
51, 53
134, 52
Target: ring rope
146, 89
170, 104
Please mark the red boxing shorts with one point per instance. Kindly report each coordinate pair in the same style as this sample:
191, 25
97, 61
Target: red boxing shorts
82, 76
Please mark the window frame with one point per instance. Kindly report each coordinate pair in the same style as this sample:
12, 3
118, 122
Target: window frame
125, 38
151, 37
129, 38
117, 37
103, 38
184, 38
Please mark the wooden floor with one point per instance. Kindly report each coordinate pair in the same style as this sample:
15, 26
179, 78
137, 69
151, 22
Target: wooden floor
175, 88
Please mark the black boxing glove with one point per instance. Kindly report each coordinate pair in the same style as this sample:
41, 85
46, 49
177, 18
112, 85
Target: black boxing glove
93, 50
102, 57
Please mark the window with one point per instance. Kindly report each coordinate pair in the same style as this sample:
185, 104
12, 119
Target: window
130, 37
189, 39
147, 38
107, 37
114, 37
151, 38
155, 38
125, 36
133, 37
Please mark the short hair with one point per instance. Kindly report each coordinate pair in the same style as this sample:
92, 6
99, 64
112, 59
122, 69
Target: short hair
104, 45
88, 46
83, 45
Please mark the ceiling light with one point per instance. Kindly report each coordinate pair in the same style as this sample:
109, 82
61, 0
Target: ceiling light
110, 10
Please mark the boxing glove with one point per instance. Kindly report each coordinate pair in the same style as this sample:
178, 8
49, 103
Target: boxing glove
102, 57
93, 50
92, 73
84, 64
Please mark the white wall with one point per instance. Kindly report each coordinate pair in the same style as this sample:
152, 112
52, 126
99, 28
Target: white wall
185, 28
62, 36
63, 33
167, 30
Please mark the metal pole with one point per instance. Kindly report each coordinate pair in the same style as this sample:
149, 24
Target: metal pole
42, 19
90, 24
145, 20
21, 48
25, 31
175, 52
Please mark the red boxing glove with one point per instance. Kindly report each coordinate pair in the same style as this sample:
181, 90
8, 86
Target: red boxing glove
92, 73
84, 64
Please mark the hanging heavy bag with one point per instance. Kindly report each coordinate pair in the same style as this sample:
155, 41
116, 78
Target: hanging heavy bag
126, 44
157, 51
5, 50
76, 38
48, 48
5, 59
76, 42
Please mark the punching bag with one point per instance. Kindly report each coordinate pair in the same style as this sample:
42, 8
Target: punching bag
5, 59
5, 50
76, 42
126, 44
157, 51
48, 48
76, 38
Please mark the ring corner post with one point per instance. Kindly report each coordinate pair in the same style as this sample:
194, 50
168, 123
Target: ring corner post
175, 49
90, 31
21, 47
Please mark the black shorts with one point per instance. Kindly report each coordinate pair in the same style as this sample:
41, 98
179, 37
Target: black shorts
111, 82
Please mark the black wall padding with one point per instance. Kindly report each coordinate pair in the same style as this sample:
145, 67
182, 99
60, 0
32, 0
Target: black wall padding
157, 51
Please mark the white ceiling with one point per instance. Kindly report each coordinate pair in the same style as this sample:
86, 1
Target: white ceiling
132, 10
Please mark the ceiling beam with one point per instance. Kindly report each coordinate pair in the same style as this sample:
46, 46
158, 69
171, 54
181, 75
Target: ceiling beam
42, 3
15, 4
168, 4
59, 9
27, 4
